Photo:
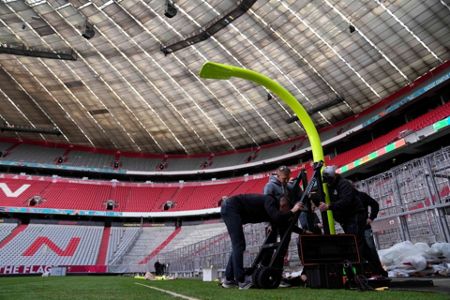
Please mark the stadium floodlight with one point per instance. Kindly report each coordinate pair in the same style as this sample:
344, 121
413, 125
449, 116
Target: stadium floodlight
170, 9
351, 28
212, 70
89, 31
207, 30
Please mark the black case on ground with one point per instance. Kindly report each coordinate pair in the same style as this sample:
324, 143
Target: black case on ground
324, 256
327, 276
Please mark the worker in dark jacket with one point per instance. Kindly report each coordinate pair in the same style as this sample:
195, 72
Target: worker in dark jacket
279, 184
370, 251
347, 208
367, 202
279, 187
242, 209
309, 220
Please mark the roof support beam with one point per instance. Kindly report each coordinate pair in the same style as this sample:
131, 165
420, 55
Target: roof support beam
6, 49
214, 26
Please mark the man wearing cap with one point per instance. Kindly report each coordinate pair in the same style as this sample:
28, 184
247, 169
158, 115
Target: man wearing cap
345, 204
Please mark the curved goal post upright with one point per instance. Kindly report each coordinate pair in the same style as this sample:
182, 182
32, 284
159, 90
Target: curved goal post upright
212, 70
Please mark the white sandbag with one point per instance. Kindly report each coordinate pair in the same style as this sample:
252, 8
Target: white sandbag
406, 258
417, 262
429, 253
395, 255
385, 257
441, 269
398, 273
422, 247
434, 252
442, 249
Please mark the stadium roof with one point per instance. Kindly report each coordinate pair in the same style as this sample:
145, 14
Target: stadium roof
122, 75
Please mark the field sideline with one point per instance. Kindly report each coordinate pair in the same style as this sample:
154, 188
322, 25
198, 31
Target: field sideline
117, 287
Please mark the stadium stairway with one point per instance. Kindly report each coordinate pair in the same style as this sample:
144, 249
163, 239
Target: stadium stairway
121, 241
13, 234
161, 246
149, 239
101, 258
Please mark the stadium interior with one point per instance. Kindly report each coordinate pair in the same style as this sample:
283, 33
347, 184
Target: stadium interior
114, 153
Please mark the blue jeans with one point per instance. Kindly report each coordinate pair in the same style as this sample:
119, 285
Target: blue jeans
232, 218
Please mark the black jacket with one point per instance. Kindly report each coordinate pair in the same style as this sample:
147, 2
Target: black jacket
344, 201
309, 221
256, 208
367, 202
275, 189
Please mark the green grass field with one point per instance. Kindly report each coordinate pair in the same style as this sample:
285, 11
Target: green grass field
112, 287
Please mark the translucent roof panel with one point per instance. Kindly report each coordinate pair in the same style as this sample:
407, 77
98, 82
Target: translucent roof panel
120, 91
